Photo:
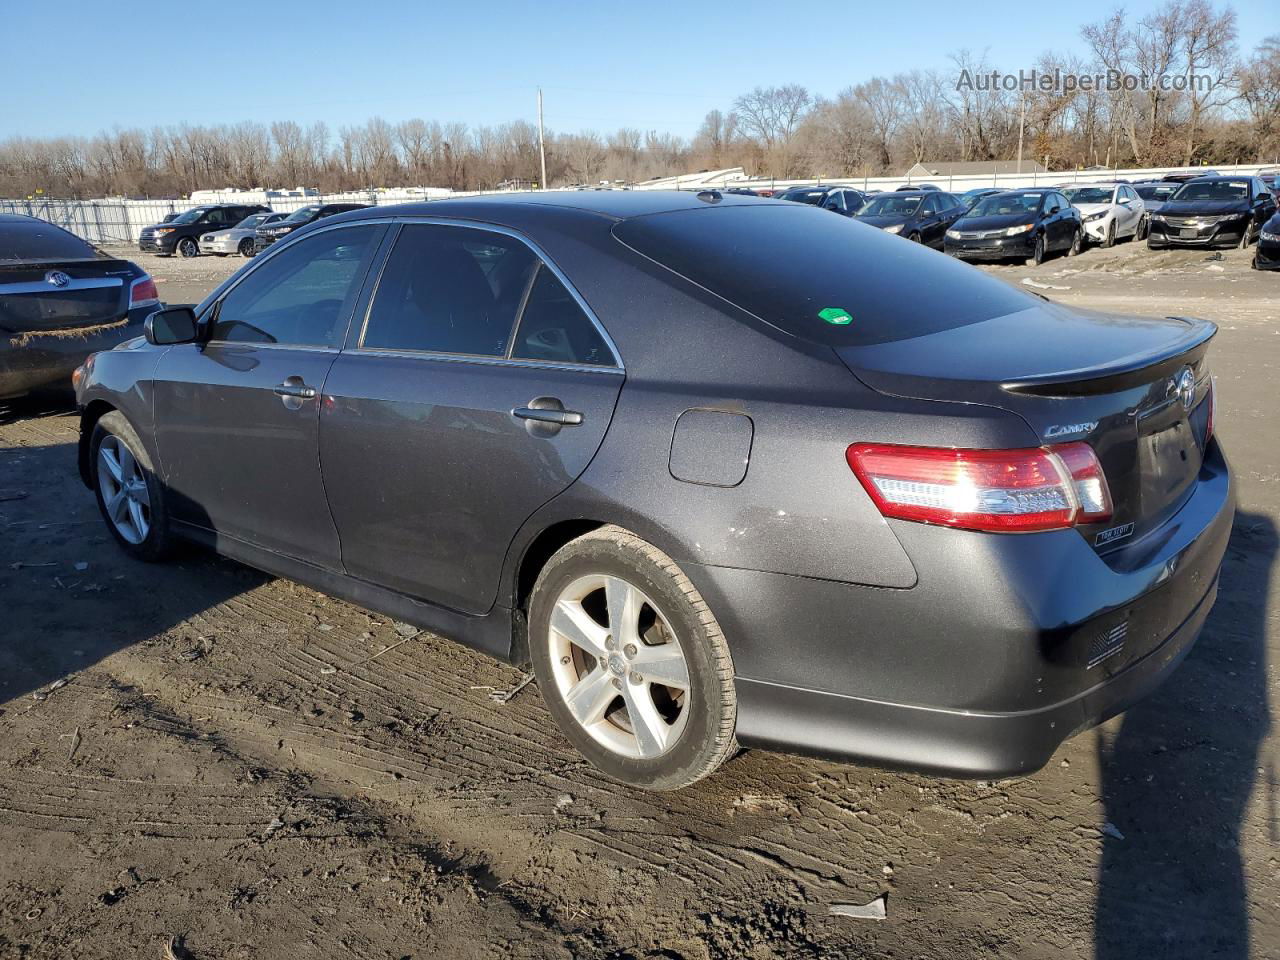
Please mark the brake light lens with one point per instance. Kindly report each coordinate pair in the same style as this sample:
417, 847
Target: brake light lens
1011, 491
143, 291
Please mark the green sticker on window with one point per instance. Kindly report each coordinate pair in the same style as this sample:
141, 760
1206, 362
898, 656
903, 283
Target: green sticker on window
835, 315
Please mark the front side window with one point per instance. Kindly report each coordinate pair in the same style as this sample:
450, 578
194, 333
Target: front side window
449, 290
303, 295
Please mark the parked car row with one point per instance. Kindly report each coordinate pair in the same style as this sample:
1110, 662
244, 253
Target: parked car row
987, 223
221, 229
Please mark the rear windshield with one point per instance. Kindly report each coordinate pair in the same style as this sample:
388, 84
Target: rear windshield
826, 279
37, 241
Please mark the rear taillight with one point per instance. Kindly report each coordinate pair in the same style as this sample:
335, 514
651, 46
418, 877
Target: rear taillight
143, 291
1039, 488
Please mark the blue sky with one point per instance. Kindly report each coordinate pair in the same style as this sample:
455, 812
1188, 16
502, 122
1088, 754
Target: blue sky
83, 65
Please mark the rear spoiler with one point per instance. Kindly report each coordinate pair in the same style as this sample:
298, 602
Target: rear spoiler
1125, 372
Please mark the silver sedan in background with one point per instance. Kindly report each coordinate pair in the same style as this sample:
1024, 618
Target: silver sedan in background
238, 239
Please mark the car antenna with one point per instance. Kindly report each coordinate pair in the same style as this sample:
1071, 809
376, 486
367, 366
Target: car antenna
709, 196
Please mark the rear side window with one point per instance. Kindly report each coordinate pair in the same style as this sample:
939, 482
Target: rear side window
34, 241
303, 295
449, 290
826, 279
554, 328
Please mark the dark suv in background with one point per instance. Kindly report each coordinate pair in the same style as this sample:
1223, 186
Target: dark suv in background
181, 235
271, 232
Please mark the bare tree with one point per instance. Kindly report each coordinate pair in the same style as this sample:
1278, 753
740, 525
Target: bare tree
1209, 45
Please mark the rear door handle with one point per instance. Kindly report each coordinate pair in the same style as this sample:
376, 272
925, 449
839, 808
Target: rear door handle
546, 416
564, 418
291, 389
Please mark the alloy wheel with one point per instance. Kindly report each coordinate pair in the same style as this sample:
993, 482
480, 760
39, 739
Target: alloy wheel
187, 247
619, 667
123, 486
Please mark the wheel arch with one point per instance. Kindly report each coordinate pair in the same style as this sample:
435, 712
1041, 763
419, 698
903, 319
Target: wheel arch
94, 411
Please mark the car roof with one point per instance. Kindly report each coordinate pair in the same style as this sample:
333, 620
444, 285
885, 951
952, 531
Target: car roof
611, 204
17, 218
1217, 177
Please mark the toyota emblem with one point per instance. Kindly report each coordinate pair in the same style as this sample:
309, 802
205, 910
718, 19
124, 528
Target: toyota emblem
1186, 387
57, 278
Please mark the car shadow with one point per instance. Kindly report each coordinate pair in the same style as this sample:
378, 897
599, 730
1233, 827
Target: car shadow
69, 596
1178, 775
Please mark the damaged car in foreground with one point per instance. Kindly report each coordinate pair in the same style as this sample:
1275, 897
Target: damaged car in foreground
61, 300
699, 461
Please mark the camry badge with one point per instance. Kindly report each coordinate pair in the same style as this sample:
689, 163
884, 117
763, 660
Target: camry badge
57, 278
1068, 429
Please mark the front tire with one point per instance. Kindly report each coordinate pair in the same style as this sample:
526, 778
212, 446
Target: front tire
187, 248
128, 491
1038, 251
246, 247
1109, 240
631, 662
1077, 243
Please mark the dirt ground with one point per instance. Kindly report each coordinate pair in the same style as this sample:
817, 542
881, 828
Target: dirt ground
198, 751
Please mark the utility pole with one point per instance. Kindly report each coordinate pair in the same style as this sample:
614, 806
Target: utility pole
542, 146
1022, 123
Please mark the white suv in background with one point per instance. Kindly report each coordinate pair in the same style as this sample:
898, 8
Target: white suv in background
1110, 211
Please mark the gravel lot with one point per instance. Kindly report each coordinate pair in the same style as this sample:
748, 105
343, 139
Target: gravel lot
199, 751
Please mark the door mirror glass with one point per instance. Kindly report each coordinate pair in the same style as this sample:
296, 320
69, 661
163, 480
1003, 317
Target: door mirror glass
174, 325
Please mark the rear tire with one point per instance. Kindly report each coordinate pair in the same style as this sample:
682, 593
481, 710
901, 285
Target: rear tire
1144, 227
1244, 238
612, 593
130, 495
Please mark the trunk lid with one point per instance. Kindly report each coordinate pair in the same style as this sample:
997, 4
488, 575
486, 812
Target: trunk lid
1134, 388
52, 296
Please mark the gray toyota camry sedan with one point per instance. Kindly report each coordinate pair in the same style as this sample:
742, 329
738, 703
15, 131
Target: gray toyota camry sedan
726, 471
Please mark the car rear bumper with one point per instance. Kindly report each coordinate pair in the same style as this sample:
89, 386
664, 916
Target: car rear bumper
47, 361
1007, 645
956, 743
995, 248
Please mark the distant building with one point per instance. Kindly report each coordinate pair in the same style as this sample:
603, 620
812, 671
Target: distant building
973, 168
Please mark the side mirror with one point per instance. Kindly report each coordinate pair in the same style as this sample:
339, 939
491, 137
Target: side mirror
170, 326
1053, 210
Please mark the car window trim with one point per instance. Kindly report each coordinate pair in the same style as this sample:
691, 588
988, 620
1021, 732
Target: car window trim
216, 307
544, 260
